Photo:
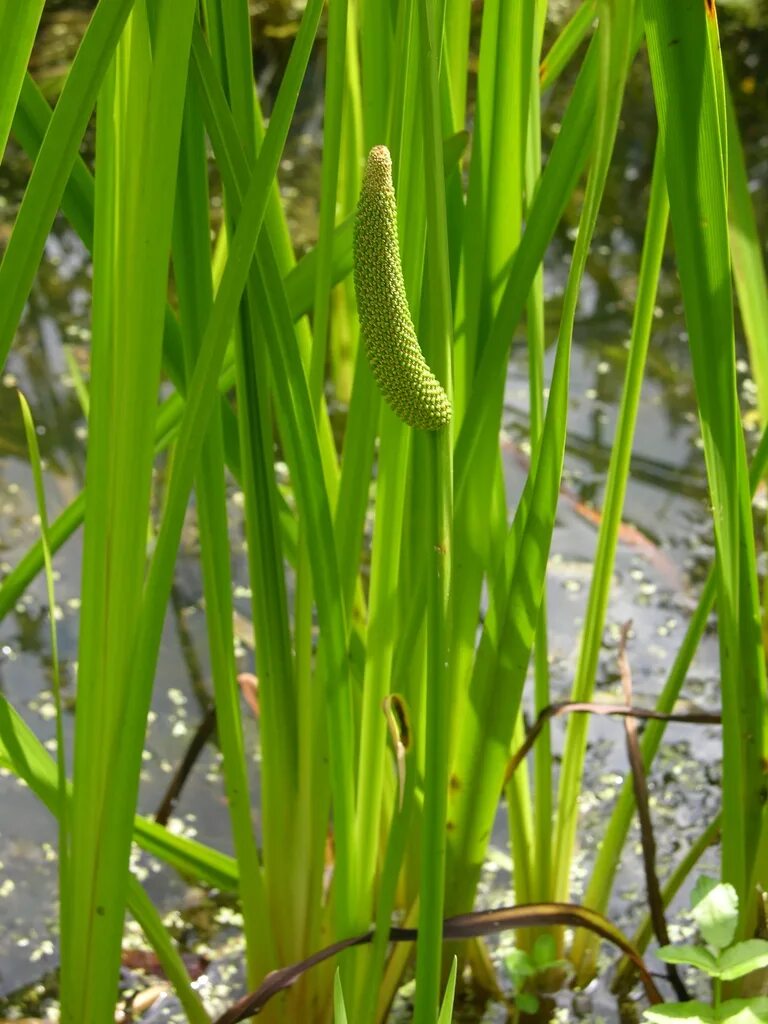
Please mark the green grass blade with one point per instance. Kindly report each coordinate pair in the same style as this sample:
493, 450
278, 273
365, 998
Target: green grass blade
54, 163
192, 274
339, 1009
509, 629
613, 503
156, 934
748, 264
61, 781
300, 437
446, 1010
144, 95
688, 88
18, 25
438, 532
566, 44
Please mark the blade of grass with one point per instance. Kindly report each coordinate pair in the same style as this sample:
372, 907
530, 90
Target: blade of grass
192, 274
687, 80
438, 346
229, 65
61, 765
567, 42
144, 93
339, 1009
54, 163
613, 503
157, 935
542, 805
446, 1010
747, 258
18, 25
508, 633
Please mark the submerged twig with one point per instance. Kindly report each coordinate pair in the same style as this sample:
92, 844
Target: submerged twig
647, 838
172, 793
595, 708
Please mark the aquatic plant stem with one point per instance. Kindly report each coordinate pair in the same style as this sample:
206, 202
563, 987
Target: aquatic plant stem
439, 504
192, 273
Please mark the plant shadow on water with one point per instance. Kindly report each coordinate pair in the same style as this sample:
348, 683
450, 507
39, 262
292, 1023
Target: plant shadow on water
659, 567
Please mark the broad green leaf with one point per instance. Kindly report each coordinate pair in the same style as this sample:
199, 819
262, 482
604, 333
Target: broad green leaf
744, 1011
716, 912
527, 1002
695, 1012
743, 958
696, 956
544, 950
518, 964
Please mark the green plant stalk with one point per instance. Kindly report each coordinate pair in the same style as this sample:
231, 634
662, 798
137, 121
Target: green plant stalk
458, 17
332, 127
311, 809
381, 635
476, 458
199, 404
542, 803
690, 79
439, 504
377, 46
192, 274
344, 337
602, 576
18, 25
133, 224
509, 628
492, 233
399, 834
230, 47
566, 44
312, 786
157, 936
747, 258
479, 429
55, 160
295, 420
61, 765
304, 911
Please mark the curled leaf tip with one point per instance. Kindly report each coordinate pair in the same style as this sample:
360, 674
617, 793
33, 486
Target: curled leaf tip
398, 365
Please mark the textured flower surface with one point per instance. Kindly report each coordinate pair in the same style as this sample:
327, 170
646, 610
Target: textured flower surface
397, 362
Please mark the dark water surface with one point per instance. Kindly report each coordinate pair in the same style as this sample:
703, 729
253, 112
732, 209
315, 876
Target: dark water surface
656, 581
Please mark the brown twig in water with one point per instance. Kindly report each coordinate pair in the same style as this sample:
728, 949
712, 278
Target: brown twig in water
648, 840
172, 793
567, 707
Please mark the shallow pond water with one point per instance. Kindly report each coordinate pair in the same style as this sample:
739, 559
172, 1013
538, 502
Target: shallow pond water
657, 574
